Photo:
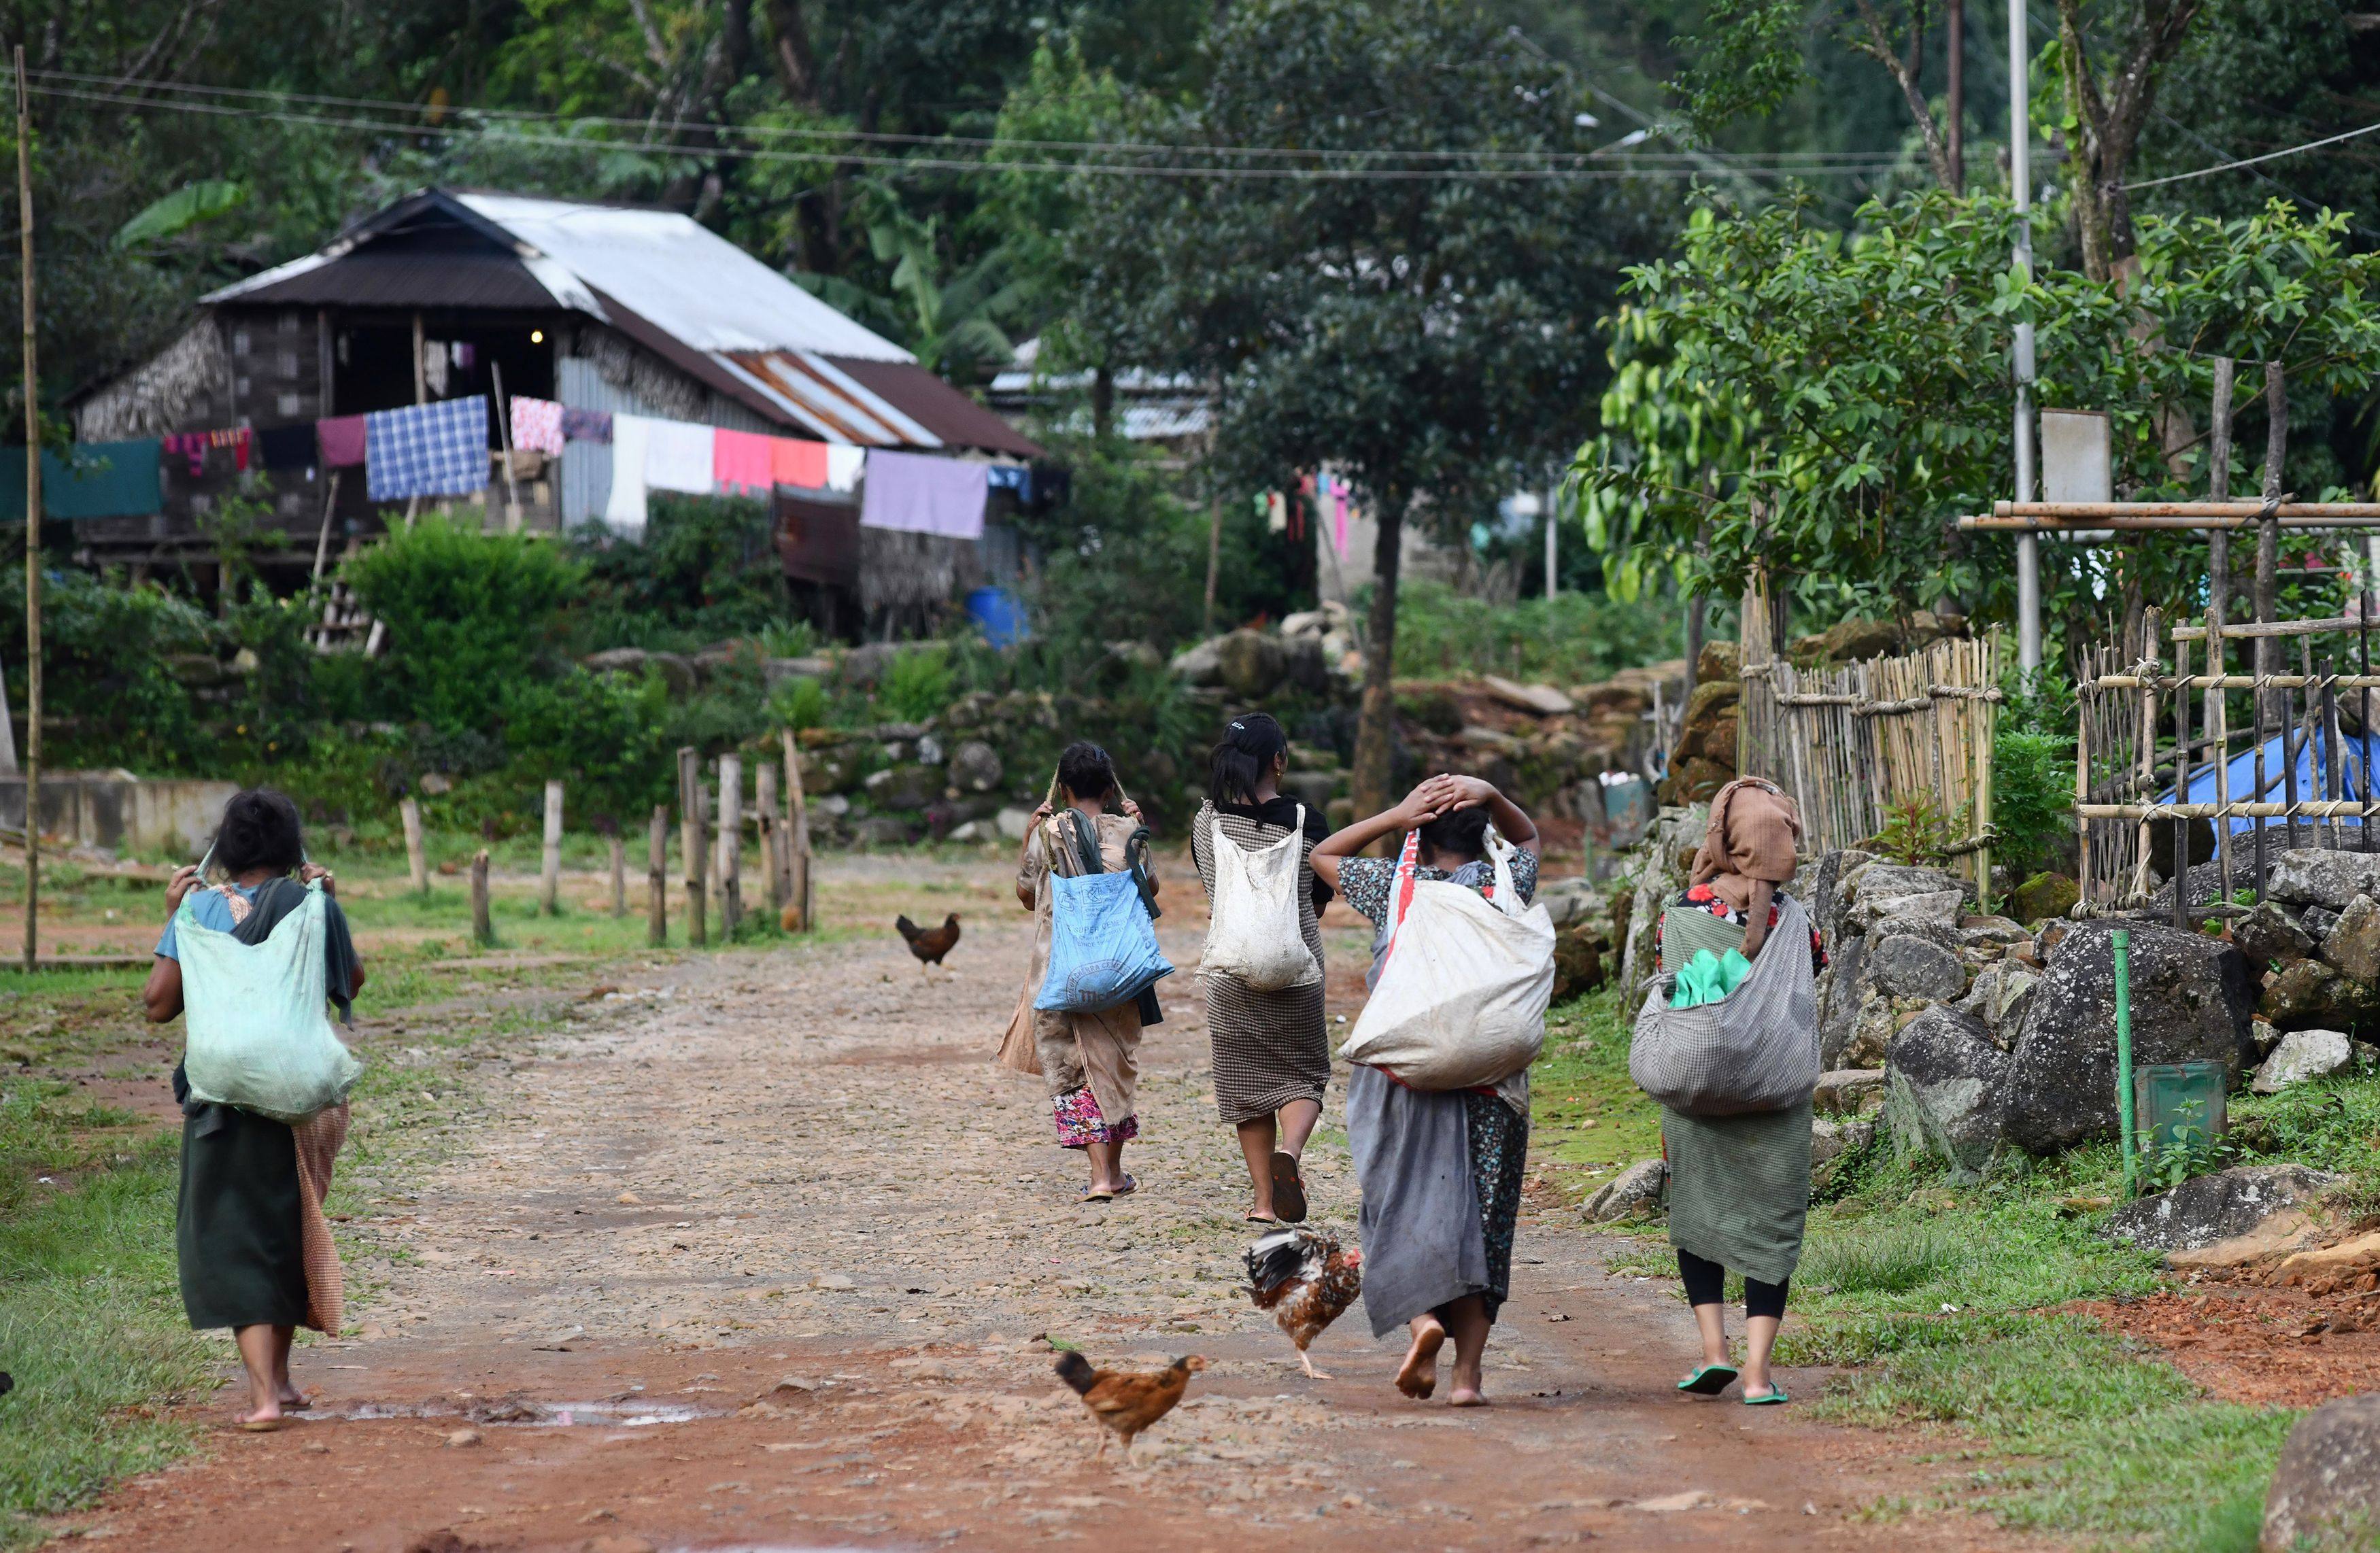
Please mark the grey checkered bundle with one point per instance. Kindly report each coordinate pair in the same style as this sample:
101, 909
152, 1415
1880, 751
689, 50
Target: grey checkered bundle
1756, 1050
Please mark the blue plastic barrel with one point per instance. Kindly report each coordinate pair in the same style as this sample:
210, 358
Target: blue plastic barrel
1001, 615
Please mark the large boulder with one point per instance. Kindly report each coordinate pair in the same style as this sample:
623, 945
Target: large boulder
863, 666
904, 788
1946, 1091
975, 767
1199, 664
1253, 663
2352, 945
2268, 934
1847, 1091
1906, 965
2308, 992
2310, 876
1999, 997
2302, 1055
1635, 1190
2192, 999
2208, 1208
1660, 873
1832, 1142
1829, 900
2045, 896
2325, 1490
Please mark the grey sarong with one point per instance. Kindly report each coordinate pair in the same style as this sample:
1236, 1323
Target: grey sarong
1420, 1228
1739, 1189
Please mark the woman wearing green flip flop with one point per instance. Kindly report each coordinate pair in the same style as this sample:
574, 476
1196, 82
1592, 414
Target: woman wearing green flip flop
1739, 1185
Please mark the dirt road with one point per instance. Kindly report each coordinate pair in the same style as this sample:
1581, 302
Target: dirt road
763, 1252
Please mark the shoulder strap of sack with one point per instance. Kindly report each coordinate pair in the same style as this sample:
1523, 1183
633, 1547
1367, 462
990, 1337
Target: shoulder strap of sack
1401, 891
1506, 895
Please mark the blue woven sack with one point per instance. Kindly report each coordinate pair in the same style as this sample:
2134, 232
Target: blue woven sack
1102, 947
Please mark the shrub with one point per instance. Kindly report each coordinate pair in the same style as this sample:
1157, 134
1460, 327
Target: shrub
109, 652
916, 683
602, 735
1574, 638
466, 613
2032, 795
706, 571
1883, 1259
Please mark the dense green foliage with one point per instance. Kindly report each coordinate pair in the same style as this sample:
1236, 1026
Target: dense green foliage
1822, 408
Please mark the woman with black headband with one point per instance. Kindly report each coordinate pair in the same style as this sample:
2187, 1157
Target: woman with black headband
1271, 1052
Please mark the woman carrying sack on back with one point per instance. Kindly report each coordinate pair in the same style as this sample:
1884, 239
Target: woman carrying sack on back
1263, 976
254, 1248
1440, 1168
1739, 1188
1088, 1058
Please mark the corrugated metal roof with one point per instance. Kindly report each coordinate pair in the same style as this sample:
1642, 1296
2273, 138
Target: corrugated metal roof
940, 408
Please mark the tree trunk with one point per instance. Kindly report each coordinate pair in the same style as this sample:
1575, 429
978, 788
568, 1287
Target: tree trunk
1376, 731
1954, 106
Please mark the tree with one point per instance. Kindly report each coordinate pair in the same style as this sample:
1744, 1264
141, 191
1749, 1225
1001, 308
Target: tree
1821, 407
2107, 110
1428, 336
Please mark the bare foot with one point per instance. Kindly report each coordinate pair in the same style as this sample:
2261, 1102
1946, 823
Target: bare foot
1466, 1396
1417, 1376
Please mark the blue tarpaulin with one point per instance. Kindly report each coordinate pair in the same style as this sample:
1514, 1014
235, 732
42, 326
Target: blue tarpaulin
2312, 760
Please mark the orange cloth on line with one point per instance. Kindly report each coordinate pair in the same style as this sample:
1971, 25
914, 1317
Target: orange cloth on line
318, 1139
798, 462
1756, 833
740, 463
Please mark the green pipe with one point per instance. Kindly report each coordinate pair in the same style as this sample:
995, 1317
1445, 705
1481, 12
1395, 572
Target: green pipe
2122, 941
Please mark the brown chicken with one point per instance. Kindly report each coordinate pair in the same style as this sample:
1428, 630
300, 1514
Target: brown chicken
1303, 1277
1123, 1400
930, 945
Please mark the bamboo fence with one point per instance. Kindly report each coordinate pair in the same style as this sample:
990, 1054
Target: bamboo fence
1849, 744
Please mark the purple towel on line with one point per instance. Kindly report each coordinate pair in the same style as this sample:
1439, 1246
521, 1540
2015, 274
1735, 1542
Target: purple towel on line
924, 495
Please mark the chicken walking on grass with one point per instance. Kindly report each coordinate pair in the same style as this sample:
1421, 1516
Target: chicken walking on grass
930, 945
1124, 1401
1302, 1277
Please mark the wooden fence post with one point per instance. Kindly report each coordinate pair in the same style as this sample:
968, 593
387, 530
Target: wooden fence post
619, 869
731, 844
417, 864
691, 841
483, 929
550, 895
797, 824
656, 878
773, 833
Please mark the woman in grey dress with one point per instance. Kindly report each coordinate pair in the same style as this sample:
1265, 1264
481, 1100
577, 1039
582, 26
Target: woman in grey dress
1272, 1051
1440, 1170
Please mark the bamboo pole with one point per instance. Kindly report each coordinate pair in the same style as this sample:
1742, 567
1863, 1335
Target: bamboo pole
32, 525
504, 445
730, 846
483, 927
416, 860
2364, 514
798, 819
549, 888
2219, 728
692, 843
2181, 786
657, 878
619, 873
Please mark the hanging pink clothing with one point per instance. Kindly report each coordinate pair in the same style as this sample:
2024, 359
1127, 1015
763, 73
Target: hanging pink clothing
794, 461
191, 445
343, 440
537, 425
742, 463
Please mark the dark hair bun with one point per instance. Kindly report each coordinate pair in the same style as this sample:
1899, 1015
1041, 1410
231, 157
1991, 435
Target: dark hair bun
1461, 834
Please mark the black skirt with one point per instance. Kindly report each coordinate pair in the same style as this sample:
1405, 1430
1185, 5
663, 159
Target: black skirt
236, 1227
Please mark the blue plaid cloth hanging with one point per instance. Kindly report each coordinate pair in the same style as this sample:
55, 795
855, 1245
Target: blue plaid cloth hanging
428, 450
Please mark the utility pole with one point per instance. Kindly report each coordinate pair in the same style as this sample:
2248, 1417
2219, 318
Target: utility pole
33, 530
2028, 546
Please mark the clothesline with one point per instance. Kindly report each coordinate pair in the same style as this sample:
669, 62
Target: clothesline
441, 450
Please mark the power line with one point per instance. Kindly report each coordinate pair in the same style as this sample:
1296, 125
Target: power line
1656, 166
2252, 160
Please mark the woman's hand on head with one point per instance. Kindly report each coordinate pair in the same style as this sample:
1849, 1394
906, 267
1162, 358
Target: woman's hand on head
1463, 792
1424, 804
185, 879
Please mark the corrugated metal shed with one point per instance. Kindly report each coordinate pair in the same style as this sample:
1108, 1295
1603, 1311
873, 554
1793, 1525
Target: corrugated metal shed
739, 329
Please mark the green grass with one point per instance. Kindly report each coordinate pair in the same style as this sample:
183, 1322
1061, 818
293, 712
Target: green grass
1940, 1303
91, 1321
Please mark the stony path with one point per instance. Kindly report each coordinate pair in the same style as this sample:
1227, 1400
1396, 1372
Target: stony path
785, 1250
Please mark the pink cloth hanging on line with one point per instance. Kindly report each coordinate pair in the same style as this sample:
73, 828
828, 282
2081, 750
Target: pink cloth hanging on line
742, 463
536, 425
343, 440
796, 461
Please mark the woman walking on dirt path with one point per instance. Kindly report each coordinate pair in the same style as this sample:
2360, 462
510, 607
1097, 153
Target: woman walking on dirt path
1739, 1185
255, 1251
1440, 1170
1090, 1061
1271, 1051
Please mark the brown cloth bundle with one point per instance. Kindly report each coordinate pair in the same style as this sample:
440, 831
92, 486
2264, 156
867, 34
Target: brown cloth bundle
1756, 833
